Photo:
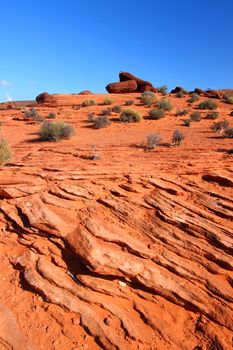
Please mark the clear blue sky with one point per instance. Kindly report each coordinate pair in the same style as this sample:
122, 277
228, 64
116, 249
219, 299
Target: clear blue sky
71, 45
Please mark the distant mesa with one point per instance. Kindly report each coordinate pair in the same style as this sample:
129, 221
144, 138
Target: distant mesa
129, 83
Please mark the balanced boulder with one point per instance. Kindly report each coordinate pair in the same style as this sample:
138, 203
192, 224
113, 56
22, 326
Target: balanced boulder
122, 87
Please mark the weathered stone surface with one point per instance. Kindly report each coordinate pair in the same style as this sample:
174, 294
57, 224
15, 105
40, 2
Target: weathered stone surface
124, 76
177, 89
122, 87
43, 97
85, 92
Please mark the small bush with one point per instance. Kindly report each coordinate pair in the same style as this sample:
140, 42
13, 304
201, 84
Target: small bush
152, 141
116, 109
33, 114
87, 103
5, 152
52, 115
231, 113
195, 117
157, 113
177, 138
228, 132
181, 112
101, 122
107, 111
180, 94
164, 104
220, 126
208, 104
130, 115
148, 98
229, 99
212, 115
107, 101
55, 131
129, 102
90, 117
187, 122
162, 89
193, 98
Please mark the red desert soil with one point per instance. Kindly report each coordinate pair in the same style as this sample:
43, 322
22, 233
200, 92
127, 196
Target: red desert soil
130, 251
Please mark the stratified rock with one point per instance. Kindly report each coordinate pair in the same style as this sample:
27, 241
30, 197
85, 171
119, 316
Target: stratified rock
42, 98
122, 87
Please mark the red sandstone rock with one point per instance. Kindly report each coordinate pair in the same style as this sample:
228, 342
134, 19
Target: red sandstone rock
122, 87
41, 98
85, 92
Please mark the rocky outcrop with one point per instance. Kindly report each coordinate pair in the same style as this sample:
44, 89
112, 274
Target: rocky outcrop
43, 97
85, 92
122, 87
130, 83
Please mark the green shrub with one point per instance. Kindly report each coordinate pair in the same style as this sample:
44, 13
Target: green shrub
220, 126
229, 99
107, 111
5, 152
181, 112
187, 122
157, 113
55, 131
164, 104
148, 98
193, 98
87, 103
228, 132
33, 114
212, 115
162, 89
116, 109
107, 101
152, 141
52, 115
101, 122
129, 102
177, 138
180, 94
207, 104
195, 116
130, 115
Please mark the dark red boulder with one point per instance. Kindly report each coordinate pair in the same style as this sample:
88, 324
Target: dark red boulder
85, 92
124, 76
177, 89
122, 87
41, 98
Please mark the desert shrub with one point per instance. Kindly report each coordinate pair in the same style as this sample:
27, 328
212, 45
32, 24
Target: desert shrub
5, 152
107, 111
164, 104
55, 131
212, 115
231, 113
33, 114
229, 99
187, 122
148, 98
129, 102
116, 109
193, 98
130, 115
101, 122
152, 141
208, 104
220, 126
228, 132
177, 138
180, 94
107, 101
87, 103
157, 113
90, 117
162, 89
181, 112
52, 115
195, 116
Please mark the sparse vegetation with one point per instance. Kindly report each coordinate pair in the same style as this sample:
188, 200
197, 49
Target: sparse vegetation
181, 112
152, 141
130, 116
212, 115
231, 113
87, 103
220, 126
164, 104
90, 117
107, 111
56, 131
5, 152
52, 115
195, 116
228, 132
193, 98
157, 113
116, 109
180, 94
34, 115
162, 89
187, 122
207, 104
129, 102
229, 99
177, 138
101, 122
148, 98
107, 101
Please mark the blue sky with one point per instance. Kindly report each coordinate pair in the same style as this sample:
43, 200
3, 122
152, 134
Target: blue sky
71, 45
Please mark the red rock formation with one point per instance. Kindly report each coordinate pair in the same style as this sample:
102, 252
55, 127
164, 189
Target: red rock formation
85, 92
177, 89
122, 87
42, 98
